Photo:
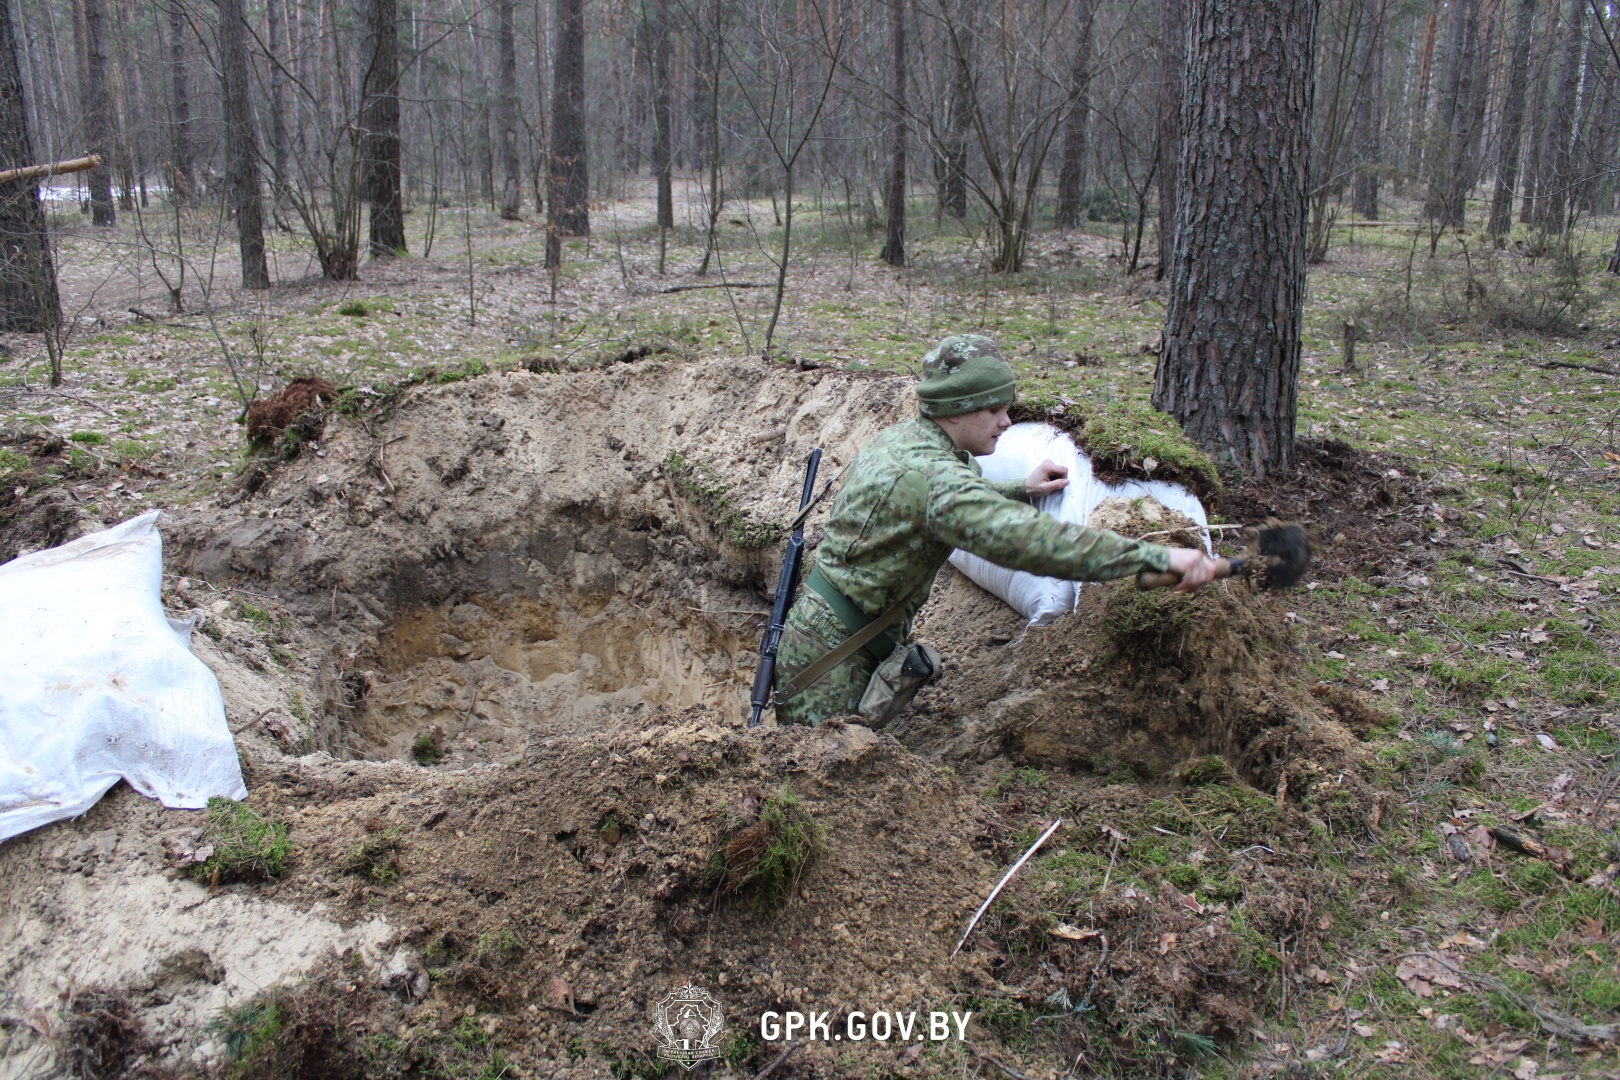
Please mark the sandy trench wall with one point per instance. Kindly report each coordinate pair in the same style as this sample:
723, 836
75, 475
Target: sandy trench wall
514, 555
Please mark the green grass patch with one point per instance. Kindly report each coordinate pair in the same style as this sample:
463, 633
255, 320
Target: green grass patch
247, 845
88, 438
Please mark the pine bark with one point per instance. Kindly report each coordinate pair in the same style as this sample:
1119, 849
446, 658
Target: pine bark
1537, 121
380, 145
1553, 199
569, 189
662, 136
29, 302
1448, 165
1229, 366
1369, 116
275, 44
1071, 182
98, 114
954, 194
511, 163
1512, 133
241, 146
1172, 80
894, 237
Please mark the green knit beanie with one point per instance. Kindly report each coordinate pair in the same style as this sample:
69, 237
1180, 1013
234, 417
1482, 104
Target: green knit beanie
962, 374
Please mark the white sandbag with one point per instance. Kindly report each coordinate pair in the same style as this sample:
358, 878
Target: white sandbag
96, 684
1021, 448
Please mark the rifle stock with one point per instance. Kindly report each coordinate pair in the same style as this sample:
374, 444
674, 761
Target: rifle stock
786, 582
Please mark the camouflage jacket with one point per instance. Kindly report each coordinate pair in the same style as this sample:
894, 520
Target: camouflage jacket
910, 497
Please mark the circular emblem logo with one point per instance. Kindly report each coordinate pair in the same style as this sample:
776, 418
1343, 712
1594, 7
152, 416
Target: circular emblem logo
690, 1025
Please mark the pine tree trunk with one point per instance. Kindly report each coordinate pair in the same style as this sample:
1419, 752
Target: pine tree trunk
276, 45
1588, 164
1512, 134
98, 114
28, 299
569, 196
1541, 76
662, 136
1555, 154
894, 237
1229, 366
954, 200
1369, 116
241, 145
1456, 81
507, 121
1072, 167
180, 171
1172, 77
381, 142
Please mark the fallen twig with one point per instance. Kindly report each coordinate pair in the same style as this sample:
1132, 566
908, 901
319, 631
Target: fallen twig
977, 915
777, 1060
1594, 368
718, 285
1555, 1023
1004, 1067
255, 720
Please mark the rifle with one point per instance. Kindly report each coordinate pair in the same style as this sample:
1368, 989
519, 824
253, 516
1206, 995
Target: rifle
765, 674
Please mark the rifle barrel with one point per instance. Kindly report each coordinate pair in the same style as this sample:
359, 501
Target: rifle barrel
765, 673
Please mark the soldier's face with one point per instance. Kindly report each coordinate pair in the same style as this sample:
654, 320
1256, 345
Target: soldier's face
977, 432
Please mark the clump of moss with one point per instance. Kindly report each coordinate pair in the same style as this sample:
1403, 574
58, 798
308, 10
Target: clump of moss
376, 858
247, 845
354, 309
701, 484
427, 749
764, 856
1206, 771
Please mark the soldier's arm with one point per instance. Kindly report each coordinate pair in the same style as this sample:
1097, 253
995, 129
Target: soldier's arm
1016, 489
966, 512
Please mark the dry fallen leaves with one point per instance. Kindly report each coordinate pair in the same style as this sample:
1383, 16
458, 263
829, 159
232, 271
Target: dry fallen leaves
1422, 973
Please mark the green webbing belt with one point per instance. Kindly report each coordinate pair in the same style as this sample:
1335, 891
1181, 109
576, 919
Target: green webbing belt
865, 631
854, 619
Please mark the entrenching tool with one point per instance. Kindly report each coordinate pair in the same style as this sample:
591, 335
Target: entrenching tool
765, 673
1278, 557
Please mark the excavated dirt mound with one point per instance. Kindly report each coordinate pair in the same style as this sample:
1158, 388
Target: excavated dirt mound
557, 582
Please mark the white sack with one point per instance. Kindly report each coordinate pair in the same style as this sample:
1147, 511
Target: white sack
1021, 448
96, 685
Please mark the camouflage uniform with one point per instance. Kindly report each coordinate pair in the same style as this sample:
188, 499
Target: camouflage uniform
910, 498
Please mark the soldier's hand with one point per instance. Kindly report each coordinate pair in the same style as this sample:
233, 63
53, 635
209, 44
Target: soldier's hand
1047, 478
1196, 568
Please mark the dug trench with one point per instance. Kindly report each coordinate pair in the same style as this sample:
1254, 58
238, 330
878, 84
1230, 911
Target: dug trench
518, 616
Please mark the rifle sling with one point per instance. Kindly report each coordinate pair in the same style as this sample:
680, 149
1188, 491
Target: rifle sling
861, 638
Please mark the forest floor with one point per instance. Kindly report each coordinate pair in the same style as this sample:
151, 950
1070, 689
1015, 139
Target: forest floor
536, 533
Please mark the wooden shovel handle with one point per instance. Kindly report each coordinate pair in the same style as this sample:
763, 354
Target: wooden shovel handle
1157, 579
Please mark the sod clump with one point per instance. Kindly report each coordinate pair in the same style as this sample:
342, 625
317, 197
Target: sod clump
376, 858
764, 851
247, 846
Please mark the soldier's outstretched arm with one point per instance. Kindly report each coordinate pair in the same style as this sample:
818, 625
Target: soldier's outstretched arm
966, 512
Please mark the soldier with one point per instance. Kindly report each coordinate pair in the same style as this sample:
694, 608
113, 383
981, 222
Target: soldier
912, 494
